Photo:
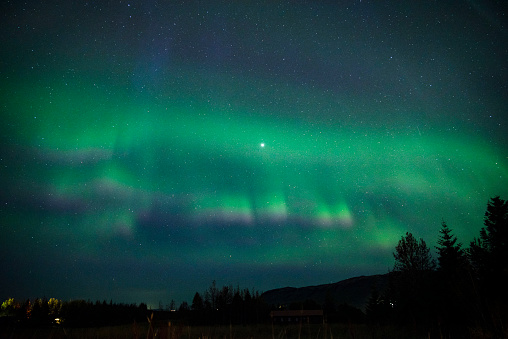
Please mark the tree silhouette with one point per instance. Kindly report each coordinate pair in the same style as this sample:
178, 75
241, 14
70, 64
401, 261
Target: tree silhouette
488, 256
197, 302
184, 307
496, 226
210, 297
412, 256
454, 289
412, 282
450, 254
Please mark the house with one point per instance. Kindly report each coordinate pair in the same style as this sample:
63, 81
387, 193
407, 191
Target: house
297, 316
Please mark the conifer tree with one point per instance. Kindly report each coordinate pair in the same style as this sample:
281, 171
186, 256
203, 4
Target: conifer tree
495, 234
197, 302
489, 253
450, 254
488, 256
454, 290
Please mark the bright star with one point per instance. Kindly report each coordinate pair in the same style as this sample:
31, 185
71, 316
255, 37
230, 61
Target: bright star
262, 144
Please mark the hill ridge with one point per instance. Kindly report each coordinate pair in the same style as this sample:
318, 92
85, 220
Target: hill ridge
353, 291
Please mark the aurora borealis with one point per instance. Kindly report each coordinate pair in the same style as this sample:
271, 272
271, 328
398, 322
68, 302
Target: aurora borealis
150, 147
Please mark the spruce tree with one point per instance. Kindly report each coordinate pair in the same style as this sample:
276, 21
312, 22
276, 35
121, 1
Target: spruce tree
488, 255
450, 254
496, 229
454, 290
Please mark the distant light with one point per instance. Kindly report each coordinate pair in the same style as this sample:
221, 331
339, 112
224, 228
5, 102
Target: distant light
262, 144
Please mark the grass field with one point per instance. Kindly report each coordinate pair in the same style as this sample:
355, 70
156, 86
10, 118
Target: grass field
167, 331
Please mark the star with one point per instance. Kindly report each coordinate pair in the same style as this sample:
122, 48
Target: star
262, 144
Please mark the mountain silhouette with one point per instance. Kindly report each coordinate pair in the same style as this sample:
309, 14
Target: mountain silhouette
353, 291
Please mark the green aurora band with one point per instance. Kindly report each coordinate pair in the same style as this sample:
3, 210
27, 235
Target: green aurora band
110, 161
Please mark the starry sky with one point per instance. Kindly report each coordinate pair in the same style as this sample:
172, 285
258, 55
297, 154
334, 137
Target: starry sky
148, 148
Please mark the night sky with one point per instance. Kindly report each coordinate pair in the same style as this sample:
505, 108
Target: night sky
150, 147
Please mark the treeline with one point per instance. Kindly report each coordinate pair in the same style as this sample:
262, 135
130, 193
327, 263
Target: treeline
225, 305
216, 306
41, 312
462, 294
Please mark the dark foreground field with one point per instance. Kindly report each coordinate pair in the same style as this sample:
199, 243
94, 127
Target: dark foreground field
166, 331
